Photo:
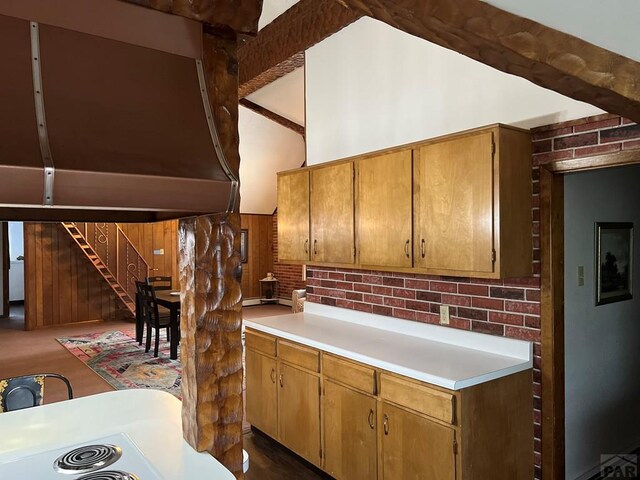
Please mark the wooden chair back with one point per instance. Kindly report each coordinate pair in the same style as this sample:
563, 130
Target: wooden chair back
160, 283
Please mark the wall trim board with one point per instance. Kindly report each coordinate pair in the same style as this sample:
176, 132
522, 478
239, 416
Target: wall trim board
552, 299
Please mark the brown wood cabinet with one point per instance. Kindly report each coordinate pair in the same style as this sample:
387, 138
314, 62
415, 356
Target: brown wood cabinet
358, 422
293, 216
332, 214
349, 433
262, 399
458, 205
473, 204
416, 448
283, 392
384, 210
299, 412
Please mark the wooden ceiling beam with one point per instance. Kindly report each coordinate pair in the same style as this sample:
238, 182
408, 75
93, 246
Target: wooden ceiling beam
285, 122
279, 47
241, 16
519, 46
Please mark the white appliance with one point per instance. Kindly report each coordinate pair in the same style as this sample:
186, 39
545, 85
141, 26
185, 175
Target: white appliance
114, 457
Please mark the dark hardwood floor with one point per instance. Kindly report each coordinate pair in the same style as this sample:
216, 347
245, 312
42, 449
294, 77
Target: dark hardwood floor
268, 460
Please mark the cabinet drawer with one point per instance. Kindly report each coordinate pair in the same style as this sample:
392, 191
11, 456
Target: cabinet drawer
418, 397
261, 342
299, 355
357, 376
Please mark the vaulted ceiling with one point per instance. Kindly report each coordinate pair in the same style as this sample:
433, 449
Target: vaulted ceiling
276, 56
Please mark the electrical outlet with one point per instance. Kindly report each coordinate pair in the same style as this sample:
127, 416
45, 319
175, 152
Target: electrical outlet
581, 276
444, 314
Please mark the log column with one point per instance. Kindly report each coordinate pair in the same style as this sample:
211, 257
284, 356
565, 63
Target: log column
210, 274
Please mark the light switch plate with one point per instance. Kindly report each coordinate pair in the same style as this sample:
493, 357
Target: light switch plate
159, 251
581, 276
444, 314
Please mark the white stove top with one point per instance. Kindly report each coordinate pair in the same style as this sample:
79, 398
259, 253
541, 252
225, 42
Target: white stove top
114, 457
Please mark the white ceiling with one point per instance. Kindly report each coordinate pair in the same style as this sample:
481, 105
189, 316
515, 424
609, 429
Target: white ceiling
611, 24
265, 149
272, 9
285, 96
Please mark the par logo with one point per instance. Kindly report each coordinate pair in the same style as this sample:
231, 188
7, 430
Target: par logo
619, 466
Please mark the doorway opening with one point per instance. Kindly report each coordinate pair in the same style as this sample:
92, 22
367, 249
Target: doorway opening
13, 284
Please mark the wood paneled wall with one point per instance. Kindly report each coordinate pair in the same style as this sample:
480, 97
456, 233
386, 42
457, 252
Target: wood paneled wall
260, 253
150, 237
61, 285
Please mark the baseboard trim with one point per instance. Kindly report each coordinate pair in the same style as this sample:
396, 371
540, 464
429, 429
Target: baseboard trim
250, 301
284, 301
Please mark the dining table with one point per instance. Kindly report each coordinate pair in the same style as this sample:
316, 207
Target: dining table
171, 301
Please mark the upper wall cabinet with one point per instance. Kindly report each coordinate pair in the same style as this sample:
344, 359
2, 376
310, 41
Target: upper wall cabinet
384, 210
293, 216
473, 204
332, 220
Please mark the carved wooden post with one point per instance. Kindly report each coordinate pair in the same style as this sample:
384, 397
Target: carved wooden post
210, 274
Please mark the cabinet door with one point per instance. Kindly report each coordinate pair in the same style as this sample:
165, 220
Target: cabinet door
454, 204
349, 433
293, 216
299, 412
332, 229
384, 210
262, 401
414, 448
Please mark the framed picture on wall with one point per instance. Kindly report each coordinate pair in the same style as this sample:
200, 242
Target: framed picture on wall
244, 245
614, 262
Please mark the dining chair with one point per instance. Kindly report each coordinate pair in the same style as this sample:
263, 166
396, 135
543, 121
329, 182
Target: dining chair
26, 391
160, 283
151, 316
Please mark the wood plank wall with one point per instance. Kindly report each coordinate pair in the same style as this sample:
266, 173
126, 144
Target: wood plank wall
260, 254
61, 285
147, 237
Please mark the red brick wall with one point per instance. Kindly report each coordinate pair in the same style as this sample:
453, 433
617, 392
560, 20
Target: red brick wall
509, 308
289, 276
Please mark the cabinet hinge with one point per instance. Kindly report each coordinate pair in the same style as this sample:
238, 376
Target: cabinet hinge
455, 446
354, 252
493, 256
493, 148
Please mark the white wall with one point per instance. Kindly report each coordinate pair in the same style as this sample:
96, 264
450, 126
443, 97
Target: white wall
371, 86
265, 149
602, 344
611, 24
16, 273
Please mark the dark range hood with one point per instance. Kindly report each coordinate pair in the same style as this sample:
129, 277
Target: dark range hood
104, 115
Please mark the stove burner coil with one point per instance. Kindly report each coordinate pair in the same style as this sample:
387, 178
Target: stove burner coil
88, 458
109, 475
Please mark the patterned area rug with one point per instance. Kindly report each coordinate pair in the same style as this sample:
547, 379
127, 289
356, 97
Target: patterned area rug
118, 358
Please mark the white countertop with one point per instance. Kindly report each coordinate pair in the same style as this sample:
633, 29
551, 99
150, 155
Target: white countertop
151, 418
442, 356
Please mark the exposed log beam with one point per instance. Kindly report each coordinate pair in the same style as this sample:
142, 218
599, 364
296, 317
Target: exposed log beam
285, 122
279, 47
240, 16
515, 45
210, 271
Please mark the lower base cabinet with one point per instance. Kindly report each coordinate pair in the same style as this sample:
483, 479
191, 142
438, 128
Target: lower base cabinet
357, 422
416, 448
299, 412
350, 432
262, 399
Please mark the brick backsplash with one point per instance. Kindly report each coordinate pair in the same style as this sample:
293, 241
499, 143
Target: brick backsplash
509, 308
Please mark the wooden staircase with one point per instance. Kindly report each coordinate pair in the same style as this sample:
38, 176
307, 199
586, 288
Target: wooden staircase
135, 269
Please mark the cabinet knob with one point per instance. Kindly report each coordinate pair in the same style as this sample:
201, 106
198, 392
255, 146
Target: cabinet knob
385, 424
406, 248
281, 382
306, 246
273, 375
422, 249
370, 418
315, 247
